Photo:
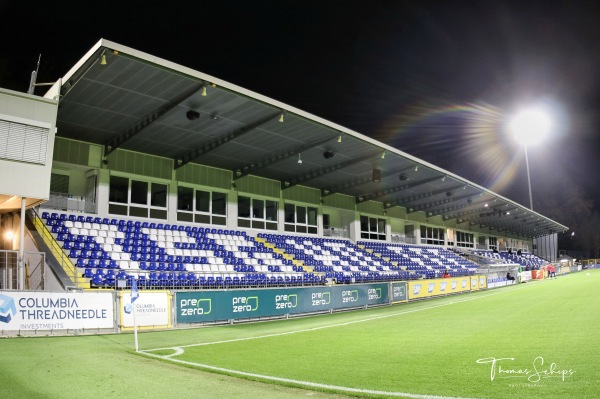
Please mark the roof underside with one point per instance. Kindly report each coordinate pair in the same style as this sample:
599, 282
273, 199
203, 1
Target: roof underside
140, 103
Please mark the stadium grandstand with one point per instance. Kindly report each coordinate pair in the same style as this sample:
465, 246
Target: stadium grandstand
135, 170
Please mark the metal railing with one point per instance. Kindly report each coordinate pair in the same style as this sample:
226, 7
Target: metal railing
69, 202
340, 232
35, 271
9, 263
35, 276
59, 255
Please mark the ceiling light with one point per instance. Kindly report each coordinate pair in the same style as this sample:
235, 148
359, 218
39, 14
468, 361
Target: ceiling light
383, 155
103, 59
416, 168
299, 160
203, 91
281, 117
340, 139
486, 205
214, 117
444, 178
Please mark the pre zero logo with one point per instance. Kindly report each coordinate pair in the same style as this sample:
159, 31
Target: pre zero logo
7, 308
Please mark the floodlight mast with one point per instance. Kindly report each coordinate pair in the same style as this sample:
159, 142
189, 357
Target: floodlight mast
528, 127
528, 177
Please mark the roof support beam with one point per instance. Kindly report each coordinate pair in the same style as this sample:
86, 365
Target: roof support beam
387, 191
323, 171
205, 148
358, 182
147, 120
266, 162
402, 201
425, 207
461, 215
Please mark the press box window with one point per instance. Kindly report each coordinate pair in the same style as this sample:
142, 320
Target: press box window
257, 213
137, 198
300, 219
199, 206
372, 228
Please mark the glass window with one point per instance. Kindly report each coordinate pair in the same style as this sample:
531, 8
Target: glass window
258, 209
202, 201
381, 226
159, 195
142, 194
185, 198
243, 207
326, 223
312, 216
219, 203
374, 228
290, 214
139, 192
271, 210
119, 187
373, 225
364, 223
301, 219
301, 215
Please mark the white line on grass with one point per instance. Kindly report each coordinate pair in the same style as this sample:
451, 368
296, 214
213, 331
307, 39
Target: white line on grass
303, 383
179, 350
331, 325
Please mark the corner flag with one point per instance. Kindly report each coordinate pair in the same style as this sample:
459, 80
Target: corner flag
135, 294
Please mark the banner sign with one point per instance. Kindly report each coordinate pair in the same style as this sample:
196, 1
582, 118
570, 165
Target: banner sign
524, 276
399, 292
482, 282
428, 288
55, 311
152, 309
203, 306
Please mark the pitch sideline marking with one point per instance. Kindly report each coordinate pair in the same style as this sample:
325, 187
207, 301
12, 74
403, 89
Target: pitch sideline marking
329, 325
179, 350
301, 383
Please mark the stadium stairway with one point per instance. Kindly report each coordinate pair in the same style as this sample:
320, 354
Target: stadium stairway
296, 262
58, 261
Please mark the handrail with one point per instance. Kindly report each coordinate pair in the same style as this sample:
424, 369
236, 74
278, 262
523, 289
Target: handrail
56, 250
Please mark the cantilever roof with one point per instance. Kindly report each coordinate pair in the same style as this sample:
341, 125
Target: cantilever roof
139, 102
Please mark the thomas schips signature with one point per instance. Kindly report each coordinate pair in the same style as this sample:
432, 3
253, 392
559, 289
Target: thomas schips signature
539, 369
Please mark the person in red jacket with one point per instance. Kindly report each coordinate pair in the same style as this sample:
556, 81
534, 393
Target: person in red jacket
446, 274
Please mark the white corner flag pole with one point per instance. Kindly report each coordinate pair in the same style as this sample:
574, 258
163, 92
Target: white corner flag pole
134, 295
135, 331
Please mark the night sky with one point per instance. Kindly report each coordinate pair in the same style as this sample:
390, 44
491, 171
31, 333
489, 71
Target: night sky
436, 79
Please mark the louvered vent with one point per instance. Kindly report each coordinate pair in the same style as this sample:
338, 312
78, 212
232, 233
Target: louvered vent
21, 142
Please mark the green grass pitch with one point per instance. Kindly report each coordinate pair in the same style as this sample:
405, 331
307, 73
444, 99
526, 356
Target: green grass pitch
543, 335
